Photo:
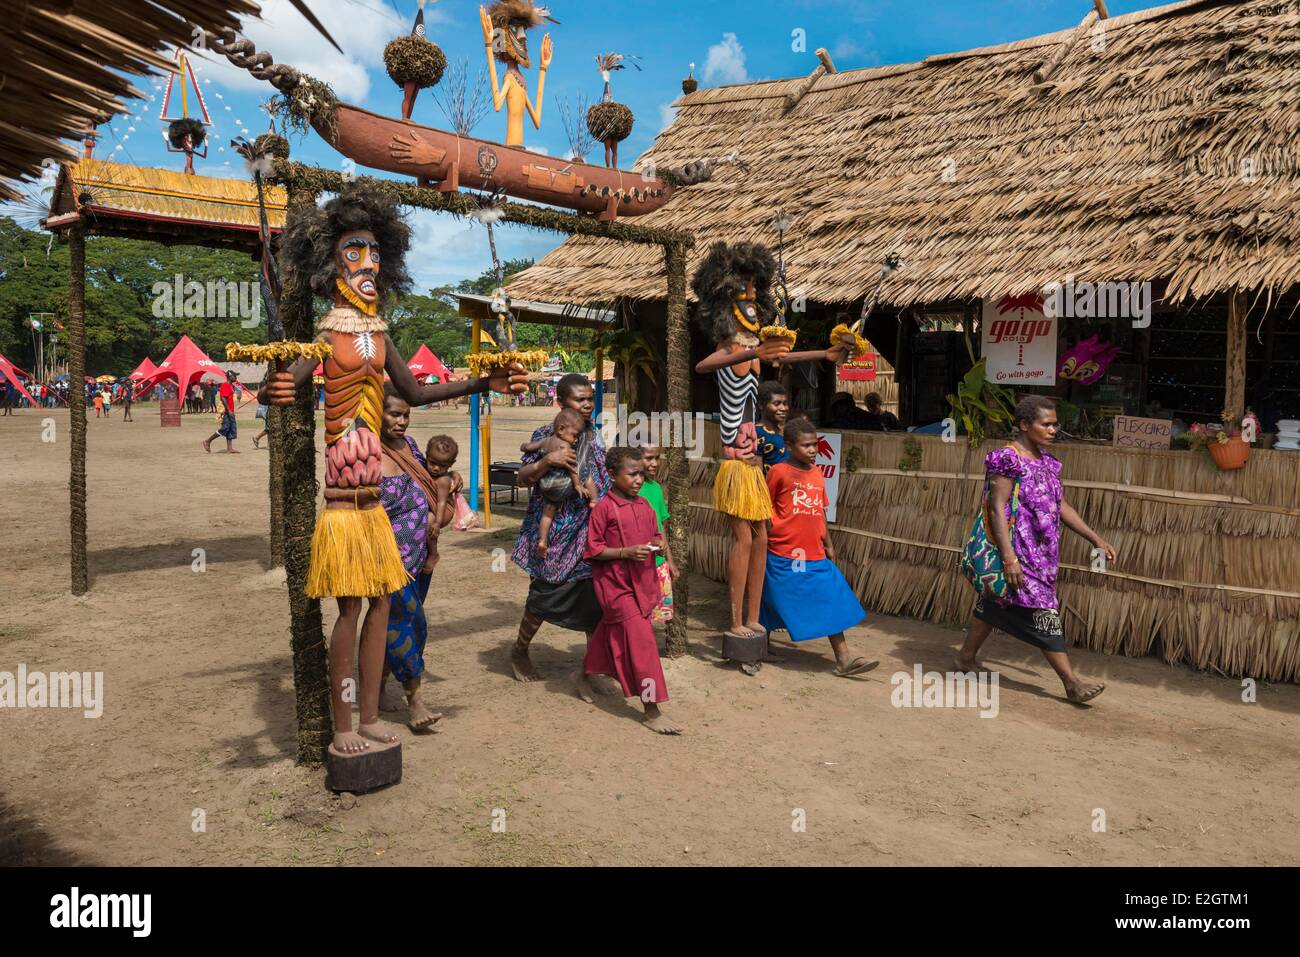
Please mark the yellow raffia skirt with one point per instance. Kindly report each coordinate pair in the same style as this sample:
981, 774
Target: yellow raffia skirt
354, 553
740, 490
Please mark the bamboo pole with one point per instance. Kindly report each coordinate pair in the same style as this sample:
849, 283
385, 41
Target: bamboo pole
77, 406
297, 438
1234, 397
275, 480
677, 473
476, 341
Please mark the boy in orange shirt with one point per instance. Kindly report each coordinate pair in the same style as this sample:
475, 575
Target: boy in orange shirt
803, 591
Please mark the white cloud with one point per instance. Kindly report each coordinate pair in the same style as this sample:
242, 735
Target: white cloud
537, 148
725, 63
445, 249
667, 114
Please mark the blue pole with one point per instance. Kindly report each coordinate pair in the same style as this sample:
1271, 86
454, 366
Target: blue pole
473, 452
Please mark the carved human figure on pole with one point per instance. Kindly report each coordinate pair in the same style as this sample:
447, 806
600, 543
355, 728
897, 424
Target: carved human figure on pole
505, 36
735, 308
352, 252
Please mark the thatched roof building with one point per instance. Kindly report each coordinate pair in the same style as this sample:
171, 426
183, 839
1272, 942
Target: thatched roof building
1161, 145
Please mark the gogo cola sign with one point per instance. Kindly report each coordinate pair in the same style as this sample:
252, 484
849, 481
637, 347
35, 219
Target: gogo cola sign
1019, 340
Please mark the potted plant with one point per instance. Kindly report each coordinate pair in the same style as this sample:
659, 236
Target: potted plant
1224, 443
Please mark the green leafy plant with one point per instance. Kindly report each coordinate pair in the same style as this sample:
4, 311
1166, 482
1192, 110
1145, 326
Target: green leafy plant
910, 461
981, 406
631, 351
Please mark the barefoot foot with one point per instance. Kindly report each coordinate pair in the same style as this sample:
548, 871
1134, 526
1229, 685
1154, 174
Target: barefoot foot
606, 685
377, 731
349, 742
522, 665
207, 445
662, 724
421, 718
1083, 691
583, 687
964, 663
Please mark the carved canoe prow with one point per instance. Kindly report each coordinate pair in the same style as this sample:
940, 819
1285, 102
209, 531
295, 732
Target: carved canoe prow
452, 161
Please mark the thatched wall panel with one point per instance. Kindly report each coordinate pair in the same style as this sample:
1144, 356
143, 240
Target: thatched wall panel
1172, 541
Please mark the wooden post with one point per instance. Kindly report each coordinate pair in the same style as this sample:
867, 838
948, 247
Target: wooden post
275, 481
1234, 393
677, 472
77, 406
475, 344
296, 435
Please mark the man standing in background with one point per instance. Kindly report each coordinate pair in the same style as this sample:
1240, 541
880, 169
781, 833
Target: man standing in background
228, 430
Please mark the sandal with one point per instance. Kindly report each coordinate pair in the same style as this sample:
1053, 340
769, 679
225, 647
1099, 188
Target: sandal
857, 666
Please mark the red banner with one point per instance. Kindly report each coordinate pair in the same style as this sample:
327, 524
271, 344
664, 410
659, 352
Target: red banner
860, 368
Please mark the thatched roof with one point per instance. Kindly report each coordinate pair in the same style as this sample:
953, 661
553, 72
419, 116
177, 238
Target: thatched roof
62, 67
1172, 154
164, 205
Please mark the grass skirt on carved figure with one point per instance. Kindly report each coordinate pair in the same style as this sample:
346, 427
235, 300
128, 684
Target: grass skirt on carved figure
812, 602
740, 490
354, 554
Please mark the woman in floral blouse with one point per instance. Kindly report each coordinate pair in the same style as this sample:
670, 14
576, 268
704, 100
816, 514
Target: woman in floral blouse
1031, 550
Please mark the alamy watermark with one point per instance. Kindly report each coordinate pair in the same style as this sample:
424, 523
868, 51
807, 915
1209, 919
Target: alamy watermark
214, 299
55, 689
1098, 300
953, 689
665, 429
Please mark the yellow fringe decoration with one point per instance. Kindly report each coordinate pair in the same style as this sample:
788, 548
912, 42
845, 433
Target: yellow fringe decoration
354, 554
843, 332
740, 490
277, 351
482, 363
783, 332
368, 308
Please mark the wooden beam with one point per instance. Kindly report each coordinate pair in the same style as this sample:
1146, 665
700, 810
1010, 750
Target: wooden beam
77, 406
677, 470
1044, 72
1234, 395
315, 179
1100, 6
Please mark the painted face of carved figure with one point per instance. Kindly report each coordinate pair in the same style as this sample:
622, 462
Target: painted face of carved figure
358, 258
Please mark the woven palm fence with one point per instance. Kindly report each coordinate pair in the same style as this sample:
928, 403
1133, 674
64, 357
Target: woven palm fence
1207, 568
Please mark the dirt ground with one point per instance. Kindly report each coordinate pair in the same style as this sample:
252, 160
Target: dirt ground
198, 717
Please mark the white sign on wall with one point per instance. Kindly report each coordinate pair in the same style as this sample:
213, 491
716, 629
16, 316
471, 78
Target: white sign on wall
1019, 341
828, 460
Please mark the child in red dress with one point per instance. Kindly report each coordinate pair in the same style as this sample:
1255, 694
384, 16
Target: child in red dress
622, 537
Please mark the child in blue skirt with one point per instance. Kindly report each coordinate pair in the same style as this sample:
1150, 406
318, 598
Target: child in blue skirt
804, 592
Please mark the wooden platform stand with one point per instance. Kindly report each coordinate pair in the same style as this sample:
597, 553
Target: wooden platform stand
376, 767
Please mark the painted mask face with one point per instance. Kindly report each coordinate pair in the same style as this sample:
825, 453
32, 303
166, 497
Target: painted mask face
746, 308
358, 260
511, 42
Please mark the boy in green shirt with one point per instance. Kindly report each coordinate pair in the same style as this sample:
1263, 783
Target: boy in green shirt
653, 493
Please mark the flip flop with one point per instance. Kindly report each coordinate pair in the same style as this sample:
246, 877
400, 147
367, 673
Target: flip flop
1083, 699
751, 668
857, 666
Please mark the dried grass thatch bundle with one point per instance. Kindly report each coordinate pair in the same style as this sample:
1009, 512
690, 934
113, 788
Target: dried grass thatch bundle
310, 104
178, 130
271, 144
414, 59
609, 121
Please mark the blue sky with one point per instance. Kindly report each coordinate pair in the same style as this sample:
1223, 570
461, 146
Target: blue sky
728, 41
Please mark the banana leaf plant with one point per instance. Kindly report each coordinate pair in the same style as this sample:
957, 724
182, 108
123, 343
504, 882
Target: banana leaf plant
982, 406
632, 354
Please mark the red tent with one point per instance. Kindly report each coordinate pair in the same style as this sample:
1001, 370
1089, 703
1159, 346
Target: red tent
143, 370
11, 372
425, 363
187, 364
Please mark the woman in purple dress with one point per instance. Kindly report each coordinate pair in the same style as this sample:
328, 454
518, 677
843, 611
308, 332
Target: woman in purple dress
1031, 552
405, 492
560, 590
